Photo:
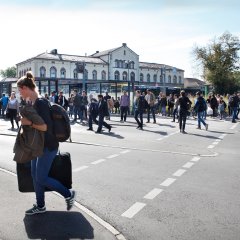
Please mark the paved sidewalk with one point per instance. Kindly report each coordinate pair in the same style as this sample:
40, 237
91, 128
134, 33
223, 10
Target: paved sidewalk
56, 223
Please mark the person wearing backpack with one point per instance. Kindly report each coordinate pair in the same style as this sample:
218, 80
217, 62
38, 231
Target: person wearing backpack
234, 105
139, 107
200, 107
93, 113
150, 98
102, 112
77, 106
221, 107
185, 105
40, 166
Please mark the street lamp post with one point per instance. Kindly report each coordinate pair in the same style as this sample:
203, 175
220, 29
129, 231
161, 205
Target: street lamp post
81, 68
132, 84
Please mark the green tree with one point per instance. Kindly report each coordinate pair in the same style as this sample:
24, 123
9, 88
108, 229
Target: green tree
9, 72
220, 62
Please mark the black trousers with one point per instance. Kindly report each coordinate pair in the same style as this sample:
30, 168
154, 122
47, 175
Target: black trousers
152, 110
13, 116
92, 118
101, 123
140, 113
182, 119
124, 111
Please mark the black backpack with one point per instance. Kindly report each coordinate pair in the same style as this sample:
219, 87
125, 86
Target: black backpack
61, 123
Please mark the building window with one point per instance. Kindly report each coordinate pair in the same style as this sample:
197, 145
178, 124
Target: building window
86, 75
141, 77
132, 76
131, 65
42, 72
169, 79
117, 75
180, 79
120, 63
116, 63
175, 79
19, 74
75, 74
53, 72
124, 52
161, 79
62, 73
155, 78
148, 78
104, 75
124, 76
94, 75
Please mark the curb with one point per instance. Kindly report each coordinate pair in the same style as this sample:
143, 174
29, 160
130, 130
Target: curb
91, 214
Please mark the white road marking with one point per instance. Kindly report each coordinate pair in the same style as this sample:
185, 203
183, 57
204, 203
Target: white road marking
195, 159
168, 182
98, 161
159, 139
234, 126
222, 136
134, 209
113, 156
188, 165
80, 168
179, 172
211, 146
152, 194
215, 143
126, 151
218, 140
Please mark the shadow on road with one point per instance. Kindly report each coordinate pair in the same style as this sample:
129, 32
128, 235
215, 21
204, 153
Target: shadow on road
205, 136
56, 225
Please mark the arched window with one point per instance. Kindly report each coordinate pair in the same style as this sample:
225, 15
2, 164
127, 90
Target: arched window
104, 75
132, 76
63, 73
94, 75
53, 72
175, 79
42, 72
180, 79
141, 77
117, 75
155, 77
148, 78
116, 63
75, 74
124, 76
169, 79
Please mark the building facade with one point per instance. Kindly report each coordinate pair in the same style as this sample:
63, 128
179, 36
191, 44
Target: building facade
109, 70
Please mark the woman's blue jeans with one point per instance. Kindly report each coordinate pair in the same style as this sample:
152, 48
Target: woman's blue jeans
40, 168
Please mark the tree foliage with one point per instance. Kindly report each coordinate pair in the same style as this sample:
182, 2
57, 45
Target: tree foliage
220, 62
9, 72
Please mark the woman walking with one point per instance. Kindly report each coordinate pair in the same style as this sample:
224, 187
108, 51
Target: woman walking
13, 110
40, 166
185, 105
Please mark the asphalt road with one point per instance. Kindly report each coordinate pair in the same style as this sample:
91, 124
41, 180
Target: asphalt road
158, 183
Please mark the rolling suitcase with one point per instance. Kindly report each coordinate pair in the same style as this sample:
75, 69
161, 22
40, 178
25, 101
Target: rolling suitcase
61, 170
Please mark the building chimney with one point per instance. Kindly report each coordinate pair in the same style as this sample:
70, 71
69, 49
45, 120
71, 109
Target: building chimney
54, 51
124, 44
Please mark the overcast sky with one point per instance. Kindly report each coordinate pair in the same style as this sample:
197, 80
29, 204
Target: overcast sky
161, 31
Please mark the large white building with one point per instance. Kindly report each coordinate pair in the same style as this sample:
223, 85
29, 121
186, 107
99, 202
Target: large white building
106, 70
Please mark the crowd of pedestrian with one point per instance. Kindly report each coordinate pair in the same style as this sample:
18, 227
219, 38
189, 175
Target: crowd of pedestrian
89, 110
